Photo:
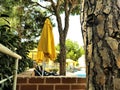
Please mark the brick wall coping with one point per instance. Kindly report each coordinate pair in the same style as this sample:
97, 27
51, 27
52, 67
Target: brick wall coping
30, 73
48, 77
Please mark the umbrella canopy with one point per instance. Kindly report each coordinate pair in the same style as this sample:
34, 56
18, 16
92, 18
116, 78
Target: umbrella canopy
46, 47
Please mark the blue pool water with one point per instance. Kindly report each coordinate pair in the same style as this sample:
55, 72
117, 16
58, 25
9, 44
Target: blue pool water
80, 74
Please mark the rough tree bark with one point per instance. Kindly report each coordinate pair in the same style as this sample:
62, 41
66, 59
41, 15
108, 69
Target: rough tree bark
100, 20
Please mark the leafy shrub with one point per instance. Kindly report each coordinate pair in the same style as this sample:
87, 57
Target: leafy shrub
11, 40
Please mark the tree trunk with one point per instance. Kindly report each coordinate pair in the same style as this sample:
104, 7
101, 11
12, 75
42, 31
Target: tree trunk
62, 38
100, 22
68, 8
62, 56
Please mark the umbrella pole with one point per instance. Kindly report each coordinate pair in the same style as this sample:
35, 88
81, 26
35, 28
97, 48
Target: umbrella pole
43, 67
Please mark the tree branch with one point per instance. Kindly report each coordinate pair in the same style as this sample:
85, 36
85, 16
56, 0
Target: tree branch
58, 4
36, 3
73, 5
67, 13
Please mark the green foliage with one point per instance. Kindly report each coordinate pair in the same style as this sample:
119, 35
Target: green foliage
9, 39
73, 50
20, 24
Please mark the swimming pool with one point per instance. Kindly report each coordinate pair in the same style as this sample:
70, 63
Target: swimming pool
80, 74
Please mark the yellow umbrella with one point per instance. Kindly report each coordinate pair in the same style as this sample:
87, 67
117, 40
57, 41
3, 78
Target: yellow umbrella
46, 47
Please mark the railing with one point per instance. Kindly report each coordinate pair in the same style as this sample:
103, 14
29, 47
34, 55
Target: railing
7, 51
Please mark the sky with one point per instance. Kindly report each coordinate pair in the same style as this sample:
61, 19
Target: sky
74, 32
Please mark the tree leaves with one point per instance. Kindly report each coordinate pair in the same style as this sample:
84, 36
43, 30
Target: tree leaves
73, 50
